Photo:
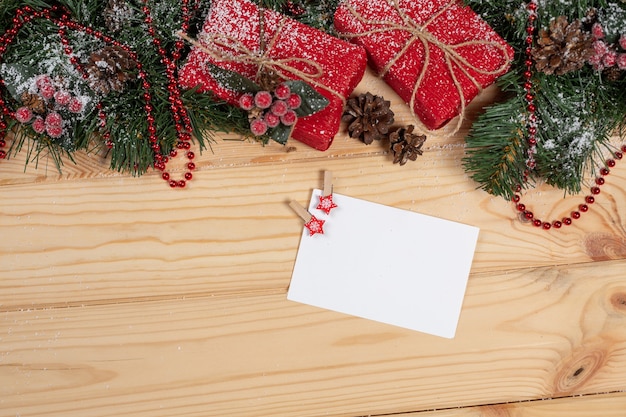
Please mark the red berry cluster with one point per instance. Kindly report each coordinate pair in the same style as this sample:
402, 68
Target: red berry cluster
605, 55
182, 121
271, 110
55, 99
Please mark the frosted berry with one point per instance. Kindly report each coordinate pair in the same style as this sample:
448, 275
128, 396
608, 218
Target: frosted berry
39, 125
62, 97
23, 115
75, 105
621, 61
282, 92
43, 80
258, 127
294, 101
597, 31
271, 119
600, 48
609, 59
279, 107
53, 119
246, 101
263, 99
289, 118
47, 91
54, 131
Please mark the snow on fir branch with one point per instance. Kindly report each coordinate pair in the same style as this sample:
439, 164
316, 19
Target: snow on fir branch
577, 111
109, 121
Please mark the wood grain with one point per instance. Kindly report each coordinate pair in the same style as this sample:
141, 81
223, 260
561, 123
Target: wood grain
96, 240
533, 333
121, 297
605, 405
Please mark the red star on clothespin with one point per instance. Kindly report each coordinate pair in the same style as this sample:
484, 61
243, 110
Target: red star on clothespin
311, 222
315, 225
326, 203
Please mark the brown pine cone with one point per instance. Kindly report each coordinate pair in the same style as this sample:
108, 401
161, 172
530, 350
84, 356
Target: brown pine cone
116, 14
109, 69
565, 47
369, 117
34, 102
405, 145
268, 79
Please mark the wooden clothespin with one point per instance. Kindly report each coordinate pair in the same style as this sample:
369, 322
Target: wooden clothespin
326, 203
312, 223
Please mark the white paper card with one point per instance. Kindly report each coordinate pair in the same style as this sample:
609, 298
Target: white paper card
385, 264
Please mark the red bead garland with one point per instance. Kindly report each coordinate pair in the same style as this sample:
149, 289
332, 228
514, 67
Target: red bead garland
182, 121
527, 215
179, 113
531, 127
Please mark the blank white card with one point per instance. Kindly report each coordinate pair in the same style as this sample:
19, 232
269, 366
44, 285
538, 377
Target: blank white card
385, 264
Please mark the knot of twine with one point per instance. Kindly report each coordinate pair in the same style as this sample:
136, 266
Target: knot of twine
225, 48
420, 33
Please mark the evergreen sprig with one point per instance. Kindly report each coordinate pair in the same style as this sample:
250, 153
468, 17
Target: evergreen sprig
577, 112
39, 48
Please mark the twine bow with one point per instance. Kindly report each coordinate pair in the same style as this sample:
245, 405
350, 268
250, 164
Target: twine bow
420, 33
226, 48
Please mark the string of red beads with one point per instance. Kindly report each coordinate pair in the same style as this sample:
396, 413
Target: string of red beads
531, 122
531, 127
528, 215
182, 122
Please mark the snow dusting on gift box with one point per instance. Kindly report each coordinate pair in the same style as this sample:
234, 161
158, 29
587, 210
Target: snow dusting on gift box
436, 54
290, 48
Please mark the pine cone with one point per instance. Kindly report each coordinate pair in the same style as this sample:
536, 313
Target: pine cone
369, 117
34, 102
116, 14
613, 73
565, 47
268, 79
109, 68
405, 145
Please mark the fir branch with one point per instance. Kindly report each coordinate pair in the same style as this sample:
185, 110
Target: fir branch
495, 148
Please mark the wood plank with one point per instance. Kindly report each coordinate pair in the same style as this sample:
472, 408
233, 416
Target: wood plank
605, 405
231, 230
523, 335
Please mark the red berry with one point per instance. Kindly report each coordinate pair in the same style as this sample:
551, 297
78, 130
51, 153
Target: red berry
39, 125
263, 99
282, 92
47, 91
279, 107
62, 97
23, 115
271, 119
54, 131
42, 80
258, 127
289, 118
54, 119
75, 105
246, 101
294, 101
597, 31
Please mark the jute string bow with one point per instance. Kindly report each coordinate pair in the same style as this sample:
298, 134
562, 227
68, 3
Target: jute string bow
226, 48
420, 33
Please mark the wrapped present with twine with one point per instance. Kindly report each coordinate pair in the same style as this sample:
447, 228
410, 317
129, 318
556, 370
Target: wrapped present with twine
436, 54
236, 37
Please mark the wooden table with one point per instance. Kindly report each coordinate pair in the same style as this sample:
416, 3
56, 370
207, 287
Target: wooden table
121, 297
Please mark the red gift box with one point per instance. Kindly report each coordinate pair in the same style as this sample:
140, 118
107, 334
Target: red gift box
330, 65
436, 54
